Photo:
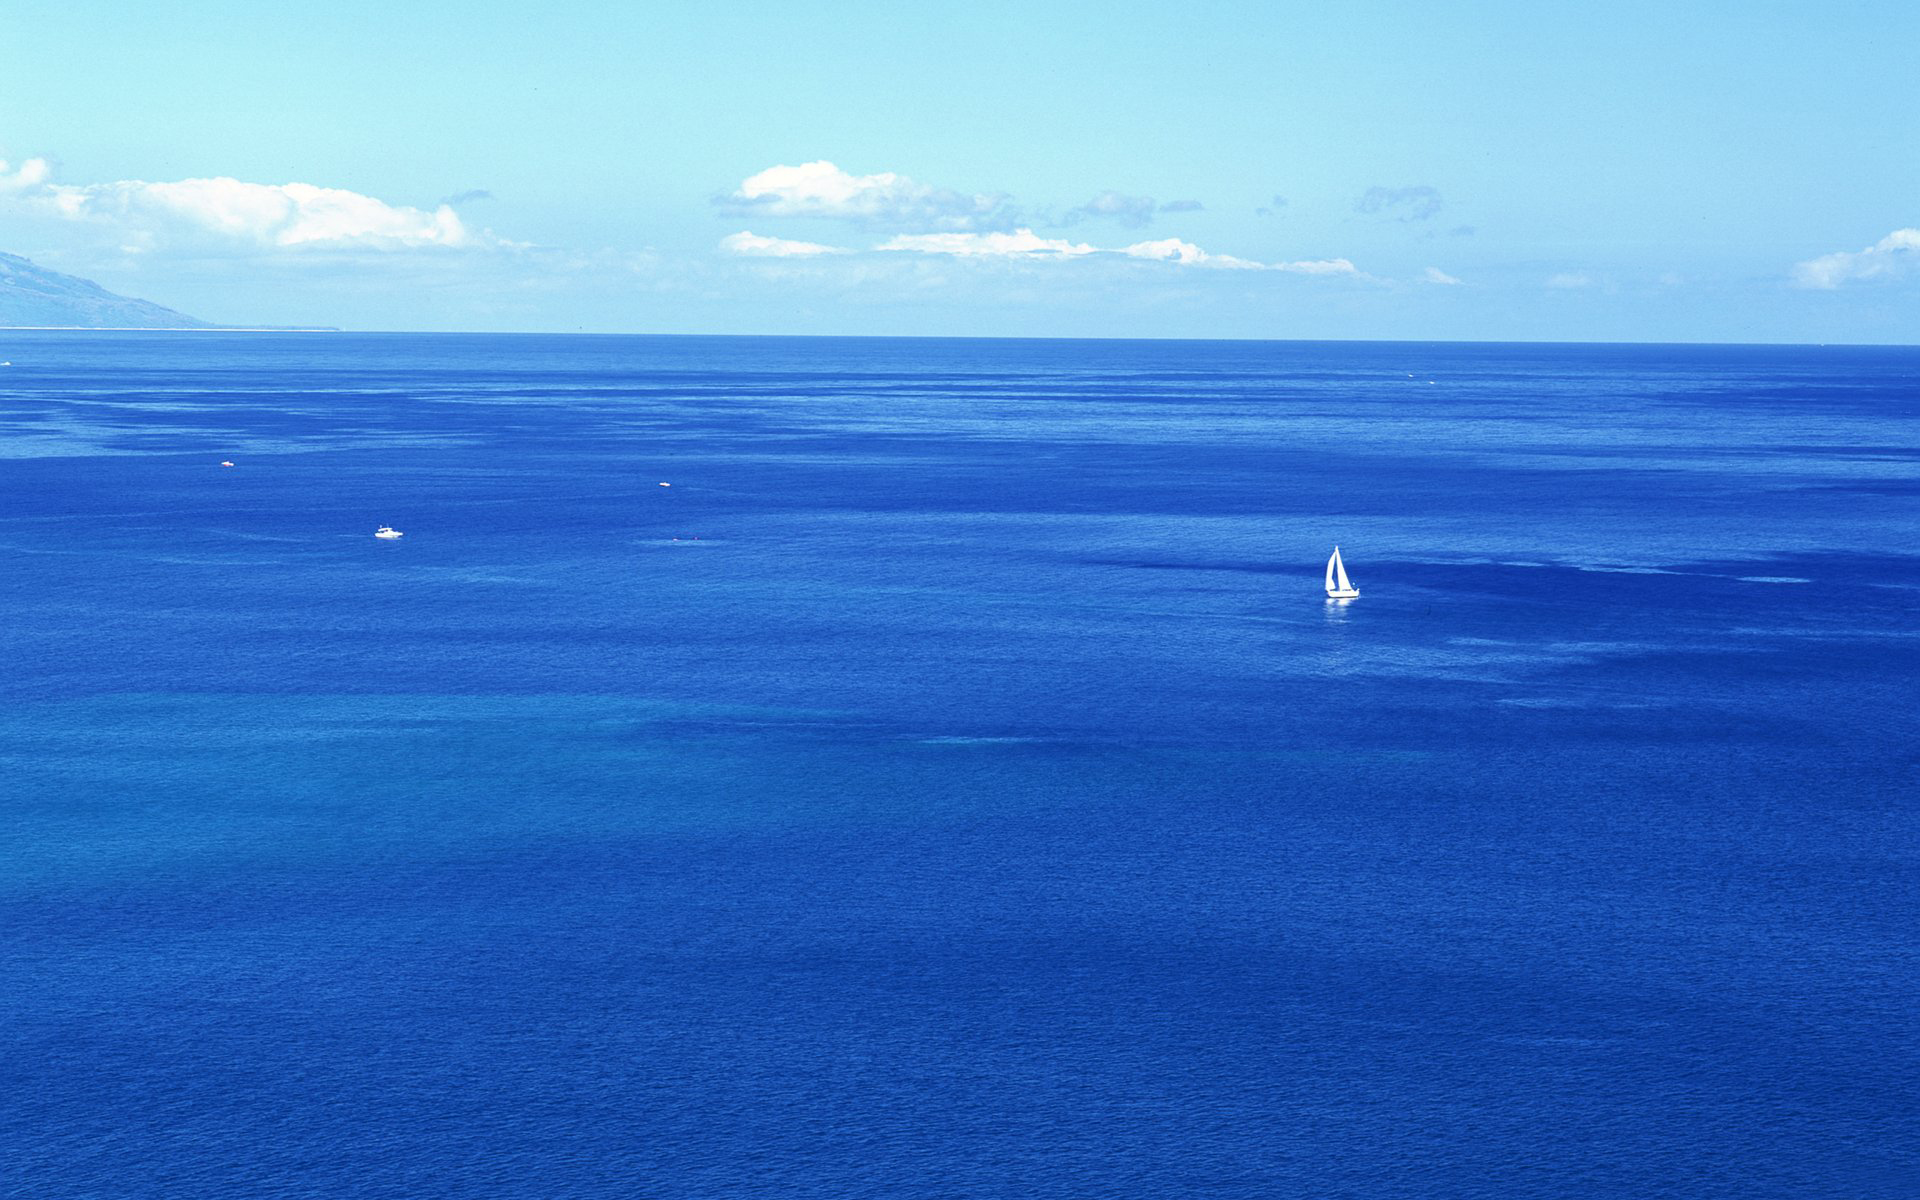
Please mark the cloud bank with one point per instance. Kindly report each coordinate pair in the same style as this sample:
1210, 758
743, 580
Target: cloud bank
1021, 243
1026, 244
236, 213
751, 245
821, 189
925, 220
1894, 254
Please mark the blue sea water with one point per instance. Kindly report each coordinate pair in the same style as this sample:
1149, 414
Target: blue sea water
955, 784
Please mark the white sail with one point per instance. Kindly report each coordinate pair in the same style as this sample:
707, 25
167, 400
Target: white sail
1338, 586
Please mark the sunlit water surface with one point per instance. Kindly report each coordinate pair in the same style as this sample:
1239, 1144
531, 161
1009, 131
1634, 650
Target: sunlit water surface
955, 784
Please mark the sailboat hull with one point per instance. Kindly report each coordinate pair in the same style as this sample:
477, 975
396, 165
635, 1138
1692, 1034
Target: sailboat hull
1348, 594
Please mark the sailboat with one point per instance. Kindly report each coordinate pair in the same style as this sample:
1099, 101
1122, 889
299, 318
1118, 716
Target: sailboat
1339, 587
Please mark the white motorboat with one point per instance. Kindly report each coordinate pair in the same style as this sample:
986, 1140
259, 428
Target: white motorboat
388, 532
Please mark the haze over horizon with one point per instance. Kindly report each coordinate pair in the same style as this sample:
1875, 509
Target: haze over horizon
1727, 173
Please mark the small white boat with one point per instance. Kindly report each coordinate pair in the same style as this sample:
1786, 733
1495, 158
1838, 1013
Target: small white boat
1339, 587
388, 532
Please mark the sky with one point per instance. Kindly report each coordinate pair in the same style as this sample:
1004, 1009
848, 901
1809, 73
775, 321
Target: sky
1734, 172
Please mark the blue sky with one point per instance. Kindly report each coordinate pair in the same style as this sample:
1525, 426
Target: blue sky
1718, 172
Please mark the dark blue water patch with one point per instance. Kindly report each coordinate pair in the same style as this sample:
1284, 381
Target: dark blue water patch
993, 989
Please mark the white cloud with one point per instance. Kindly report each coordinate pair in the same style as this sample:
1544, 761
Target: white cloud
1567, 280
1406, 203
27, 176
1026, 244
1436, 275
1318, 266
752, 245
1186, 254
821, 189
1021, 243
1893, 254
235, 213
1132, 211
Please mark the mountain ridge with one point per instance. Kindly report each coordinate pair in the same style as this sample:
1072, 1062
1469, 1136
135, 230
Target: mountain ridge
32, 296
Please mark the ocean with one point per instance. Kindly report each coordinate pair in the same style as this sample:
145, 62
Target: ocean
930, 768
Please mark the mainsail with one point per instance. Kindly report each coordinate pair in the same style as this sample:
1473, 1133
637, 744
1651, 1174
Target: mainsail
1337, 582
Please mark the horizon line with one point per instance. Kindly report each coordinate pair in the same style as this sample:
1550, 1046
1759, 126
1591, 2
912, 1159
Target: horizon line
934, 337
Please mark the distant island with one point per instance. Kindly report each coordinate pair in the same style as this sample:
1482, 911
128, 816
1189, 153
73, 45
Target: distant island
32, 297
